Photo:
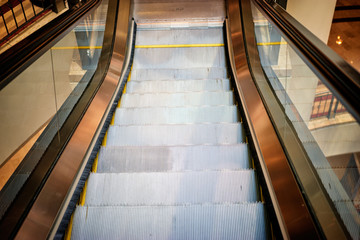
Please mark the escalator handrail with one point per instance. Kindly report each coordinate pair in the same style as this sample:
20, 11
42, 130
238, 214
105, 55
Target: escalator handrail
18, 208
338, 75
17, 58
52, 196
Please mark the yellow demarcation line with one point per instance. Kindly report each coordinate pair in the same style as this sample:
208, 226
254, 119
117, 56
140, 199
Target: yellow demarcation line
271, 43
77, 47
95, 164
181, 45
112, 119
261, 195
272, 231
103, 144
69, 228
83, 195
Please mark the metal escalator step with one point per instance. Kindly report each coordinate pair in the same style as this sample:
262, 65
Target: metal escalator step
176, 134
176, 99
176, 115
350, 216
168, 36
204, 221
332, 184
187, 73
195, 57
173, 158
171, 188
178, 86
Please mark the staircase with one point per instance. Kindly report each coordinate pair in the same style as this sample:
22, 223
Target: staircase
175, 164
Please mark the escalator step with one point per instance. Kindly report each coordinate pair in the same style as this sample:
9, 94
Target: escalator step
204, 221
177, 99
171, 188
180, 36
175, 134
215, 114
332, 184
194, 57
174, 158
176, 73
178, 86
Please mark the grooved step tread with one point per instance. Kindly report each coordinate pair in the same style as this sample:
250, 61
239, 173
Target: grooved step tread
143, 74
177, 99
176, 134
176, 115
173, 158
171, 188
152, 86
206, 221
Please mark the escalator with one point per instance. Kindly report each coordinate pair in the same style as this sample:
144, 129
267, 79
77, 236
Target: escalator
184, 131
174, 163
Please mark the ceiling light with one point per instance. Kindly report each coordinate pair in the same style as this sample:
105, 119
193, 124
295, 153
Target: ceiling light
339, 40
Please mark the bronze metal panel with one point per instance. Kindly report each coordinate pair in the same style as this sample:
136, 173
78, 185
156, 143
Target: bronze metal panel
39, 221
294, 217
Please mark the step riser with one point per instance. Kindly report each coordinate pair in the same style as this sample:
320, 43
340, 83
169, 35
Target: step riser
194, 57
161, 159
243, 221
177, 99
171, 188
178, 86
170, 135
166, 74
124, 116
179, 36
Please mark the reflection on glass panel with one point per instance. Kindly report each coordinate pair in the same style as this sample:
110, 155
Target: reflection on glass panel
329, 134
26, 104
42, 97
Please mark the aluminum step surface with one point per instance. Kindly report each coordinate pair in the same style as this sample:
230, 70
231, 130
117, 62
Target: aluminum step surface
177, 99
176, 73
177, 134
173, 158
204, 221
175, 115
178, 86
168, 36
188, 57
171, 188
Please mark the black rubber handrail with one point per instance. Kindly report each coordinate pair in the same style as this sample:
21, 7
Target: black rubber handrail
338, 75
17, 58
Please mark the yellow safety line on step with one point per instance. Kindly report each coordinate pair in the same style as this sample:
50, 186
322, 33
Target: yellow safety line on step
95, 164
104, 140
272, 231
83, 195
261, 195
181, 45
112, 119
76, 47
69, 228
271, 43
